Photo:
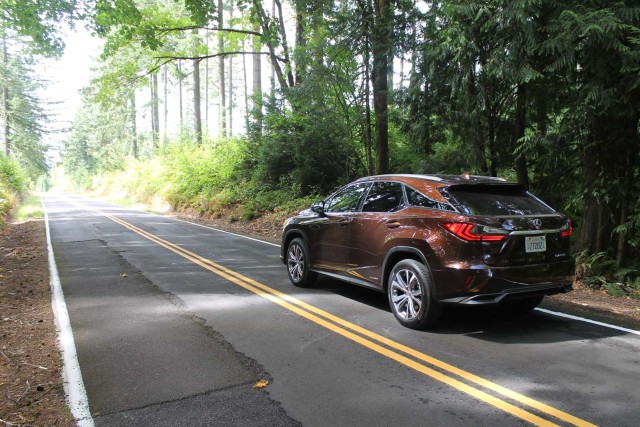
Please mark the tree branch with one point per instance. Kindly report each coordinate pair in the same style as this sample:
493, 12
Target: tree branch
215, 55
197, 27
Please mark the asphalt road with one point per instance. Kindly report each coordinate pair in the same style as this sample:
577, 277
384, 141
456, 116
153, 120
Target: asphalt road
174, 323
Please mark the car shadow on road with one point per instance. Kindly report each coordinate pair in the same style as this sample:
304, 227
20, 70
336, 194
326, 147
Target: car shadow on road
493, 324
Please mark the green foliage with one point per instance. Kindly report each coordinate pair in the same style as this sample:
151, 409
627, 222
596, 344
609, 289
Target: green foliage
306, 148
23, 109
12, 185
29, 207
12, 176
99, 141
598, 271
39, 21
208, 179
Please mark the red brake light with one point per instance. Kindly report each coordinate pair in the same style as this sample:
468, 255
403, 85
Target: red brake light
472, 233
568, 229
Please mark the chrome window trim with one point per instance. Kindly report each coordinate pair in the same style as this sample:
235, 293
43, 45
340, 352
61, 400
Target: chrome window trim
527, 232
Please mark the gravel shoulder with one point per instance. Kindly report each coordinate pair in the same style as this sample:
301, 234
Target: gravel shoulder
31, 386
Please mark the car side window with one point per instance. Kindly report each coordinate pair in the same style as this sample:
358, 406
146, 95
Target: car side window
416, 198
347, 199
384, 197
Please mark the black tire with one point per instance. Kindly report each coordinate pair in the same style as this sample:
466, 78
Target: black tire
523, 305
410, 295
297, 260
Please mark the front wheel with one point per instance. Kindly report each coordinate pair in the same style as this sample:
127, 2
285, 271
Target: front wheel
298, 264
410, 298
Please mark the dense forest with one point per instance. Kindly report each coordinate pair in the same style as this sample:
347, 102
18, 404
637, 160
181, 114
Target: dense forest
260, 102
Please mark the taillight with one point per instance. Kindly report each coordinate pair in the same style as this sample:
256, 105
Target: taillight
567, 229
474, 232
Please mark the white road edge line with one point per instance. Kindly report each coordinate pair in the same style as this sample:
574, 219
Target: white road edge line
219, 230
553, 313
71, 375
583, 319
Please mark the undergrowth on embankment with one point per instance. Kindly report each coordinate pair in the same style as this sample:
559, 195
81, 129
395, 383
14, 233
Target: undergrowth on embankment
12, 185
214, 180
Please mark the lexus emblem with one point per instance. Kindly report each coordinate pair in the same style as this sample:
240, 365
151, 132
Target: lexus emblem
537, 223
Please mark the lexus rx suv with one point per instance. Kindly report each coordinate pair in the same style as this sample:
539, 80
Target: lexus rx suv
432, 241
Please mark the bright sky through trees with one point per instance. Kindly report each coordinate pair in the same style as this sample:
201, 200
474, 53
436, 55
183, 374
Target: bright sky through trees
67, 76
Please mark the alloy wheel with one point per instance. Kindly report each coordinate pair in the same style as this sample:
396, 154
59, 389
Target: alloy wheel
295, 262
406, 294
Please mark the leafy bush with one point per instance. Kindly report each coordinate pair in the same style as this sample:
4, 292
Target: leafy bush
12, 184
213, 180
12, 176
597, 271
306, 149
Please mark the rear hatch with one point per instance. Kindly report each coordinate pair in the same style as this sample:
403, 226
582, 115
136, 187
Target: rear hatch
520, 229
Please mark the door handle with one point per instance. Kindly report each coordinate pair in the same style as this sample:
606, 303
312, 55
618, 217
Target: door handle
392, 224
345, 222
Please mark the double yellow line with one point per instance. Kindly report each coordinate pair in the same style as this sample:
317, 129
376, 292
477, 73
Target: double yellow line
400, 353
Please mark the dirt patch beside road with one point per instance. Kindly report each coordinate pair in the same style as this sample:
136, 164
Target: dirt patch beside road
31, 390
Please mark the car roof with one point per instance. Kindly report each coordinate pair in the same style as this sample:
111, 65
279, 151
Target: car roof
441, 179
429, 184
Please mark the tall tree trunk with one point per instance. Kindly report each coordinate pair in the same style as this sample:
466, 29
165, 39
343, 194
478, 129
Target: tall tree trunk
491, 137
165, 119
368, 142
206, 88
197, 117
631, 151
390, 61
206, 95
473, 128
300, 44
367, 97
521, 125
230, 132
155, 113
285, 45
621, 258
221, 81
5, 99
381, 43
246, 93
275, 68
134, 126
180, 96
257, 83
593, 234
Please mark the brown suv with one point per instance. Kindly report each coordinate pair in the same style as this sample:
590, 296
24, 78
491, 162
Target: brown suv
428, 241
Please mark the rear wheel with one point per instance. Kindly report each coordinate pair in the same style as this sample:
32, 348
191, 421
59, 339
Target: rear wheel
410, 297
298, 264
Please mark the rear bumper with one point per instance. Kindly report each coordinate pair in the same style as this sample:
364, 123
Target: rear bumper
511, 294
487, 285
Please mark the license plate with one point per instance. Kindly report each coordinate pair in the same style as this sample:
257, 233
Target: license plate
535, 244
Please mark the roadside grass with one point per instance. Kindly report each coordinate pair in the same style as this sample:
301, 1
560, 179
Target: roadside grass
29, 207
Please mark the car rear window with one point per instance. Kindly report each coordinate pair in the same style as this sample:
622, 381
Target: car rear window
492, 199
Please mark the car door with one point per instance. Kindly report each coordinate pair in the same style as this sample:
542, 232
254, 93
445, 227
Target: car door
329, 234
372, 230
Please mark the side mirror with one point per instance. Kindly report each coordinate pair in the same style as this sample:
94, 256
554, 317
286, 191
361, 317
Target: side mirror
318, 207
